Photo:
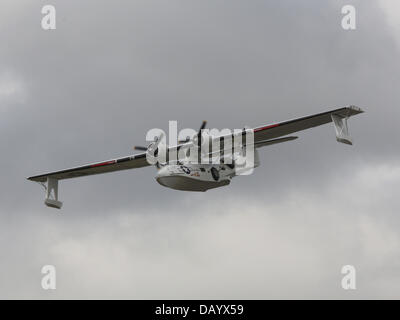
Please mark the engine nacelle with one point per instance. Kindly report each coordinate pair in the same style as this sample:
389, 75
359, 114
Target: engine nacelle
156, 152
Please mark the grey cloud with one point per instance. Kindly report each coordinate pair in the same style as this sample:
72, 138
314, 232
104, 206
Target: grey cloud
235, 248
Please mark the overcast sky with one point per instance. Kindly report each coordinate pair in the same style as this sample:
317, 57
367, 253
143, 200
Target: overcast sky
112, 70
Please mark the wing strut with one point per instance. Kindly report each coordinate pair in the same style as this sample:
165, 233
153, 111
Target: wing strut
341, 129
52, 193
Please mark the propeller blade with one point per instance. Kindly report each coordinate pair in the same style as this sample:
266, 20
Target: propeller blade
203, 125
154, 144
158, 139
141, 148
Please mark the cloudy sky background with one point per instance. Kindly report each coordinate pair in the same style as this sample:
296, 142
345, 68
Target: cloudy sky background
112, 70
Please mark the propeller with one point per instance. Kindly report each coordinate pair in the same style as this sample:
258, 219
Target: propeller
155, 143
141, 148
152, 151
203, 125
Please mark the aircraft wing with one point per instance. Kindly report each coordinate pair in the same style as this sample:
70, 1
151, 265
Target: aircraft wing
277, 132
263, 136
260, 144
280, 129
129, 162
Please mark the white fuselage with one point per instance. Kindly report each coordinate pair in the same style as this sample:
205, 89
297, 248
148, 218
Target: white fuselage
195, 177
